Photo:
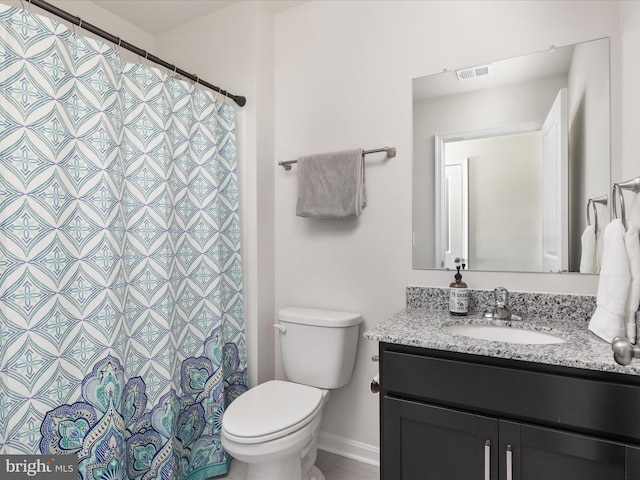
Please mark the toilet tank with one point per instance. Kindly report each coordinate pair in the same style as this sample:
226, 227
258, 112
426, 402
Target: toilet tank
318, 346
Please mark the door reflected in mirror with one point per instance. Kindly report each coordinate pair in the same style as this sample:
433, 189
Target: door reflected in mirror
506, 158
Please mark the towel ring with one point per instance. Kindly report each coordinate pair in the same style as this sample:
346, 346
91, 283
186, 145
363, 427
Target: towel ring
618, 192
592, 204
603, 200
634, 186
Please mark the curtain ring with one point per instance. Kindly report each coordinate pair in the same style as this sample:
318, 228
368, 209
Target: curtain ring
79, 25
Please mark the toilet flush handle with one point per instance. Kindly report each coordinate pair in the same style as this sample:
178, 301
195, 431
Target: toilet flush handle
282, 328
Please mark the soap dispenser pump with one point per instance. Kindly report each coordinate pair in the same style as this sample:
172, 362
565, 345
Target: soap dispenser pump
458, 296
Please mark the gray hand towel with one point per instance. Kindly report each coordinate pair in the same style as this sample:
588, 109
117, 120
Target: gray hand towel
331, 185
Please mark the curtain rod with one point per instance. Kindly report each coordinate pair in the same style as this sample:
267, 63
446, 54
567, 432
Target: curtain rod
240, 100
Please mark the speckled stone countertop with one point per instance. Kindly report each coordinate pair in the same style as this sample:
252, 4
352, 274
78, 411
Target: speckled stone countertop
419, 326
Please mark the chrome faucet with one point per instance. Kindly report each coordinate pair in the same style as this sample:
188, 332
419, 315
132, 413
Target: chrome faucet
501, 309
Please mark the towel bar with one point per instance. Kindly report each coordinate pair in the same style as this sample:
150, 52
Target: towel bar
391, 152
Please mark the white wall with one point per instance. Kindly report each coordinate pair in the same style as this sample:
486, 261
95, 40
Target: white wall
343, 75
589, 120
630, 126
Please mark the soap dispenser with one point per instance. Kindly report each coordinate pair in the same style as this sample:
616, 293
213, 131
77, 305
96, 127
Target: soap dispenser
458, 296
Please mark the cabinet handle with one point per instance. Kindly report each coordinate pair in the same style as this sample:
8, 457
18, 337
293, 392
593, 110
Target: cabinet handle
509, 463
487, 460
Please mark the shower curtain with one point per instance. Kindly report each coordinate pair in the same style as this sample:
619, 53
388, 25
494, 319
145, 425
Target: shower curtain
121, 307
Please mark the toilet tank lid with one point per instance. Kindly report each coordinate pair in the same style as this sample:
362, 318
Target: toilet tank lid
318, 317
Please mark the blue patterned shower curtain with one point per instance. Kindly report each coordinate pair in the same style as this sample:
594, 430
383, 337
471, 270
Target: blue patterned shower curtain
121, 311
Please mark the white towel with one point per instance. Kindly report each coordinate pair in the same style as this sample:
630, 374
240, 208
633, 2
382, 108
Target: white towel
588, 255
607, 321
632, 247
331, 185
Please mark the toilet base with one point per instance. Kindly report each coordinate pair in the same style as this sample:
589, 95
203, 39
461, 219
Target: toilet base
316, 474
291, 468
289, 458
283, 469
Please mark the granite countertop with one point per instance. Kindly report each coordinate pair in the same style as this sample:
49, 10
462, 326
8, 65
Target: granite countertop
422, 327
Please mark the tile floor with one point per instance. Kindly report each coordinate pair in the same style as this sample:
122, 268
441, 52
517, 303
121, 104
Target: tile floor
336, 467
333, 466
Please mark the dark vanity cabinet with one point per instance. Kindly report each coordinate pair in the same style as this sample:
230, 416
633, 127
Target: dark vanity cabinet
449, 416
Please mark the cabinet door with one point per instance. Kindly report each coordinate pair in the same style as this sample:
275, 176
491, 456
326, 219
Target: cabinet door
543, 453
425, 442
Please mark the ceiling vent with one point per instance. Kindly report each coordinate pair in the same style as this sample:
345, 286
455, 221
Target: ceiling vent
473, 72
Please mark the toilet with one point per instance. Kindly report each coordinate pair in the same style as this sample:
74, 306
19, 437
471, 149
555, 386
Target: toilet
273, 427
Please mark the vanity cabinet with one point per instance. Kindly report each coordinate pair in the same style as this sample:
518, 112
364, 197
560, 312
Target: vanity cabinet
450, 416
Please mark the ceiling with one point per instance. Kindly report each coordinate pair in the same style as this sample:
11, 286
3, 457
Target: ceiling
158, 16
555, 61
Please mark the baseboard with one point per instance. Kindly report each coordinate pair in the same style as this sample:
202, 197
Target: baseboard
346, 447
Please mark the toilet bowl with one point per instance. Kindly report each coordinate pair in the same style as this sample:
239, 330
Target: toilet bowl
273, 427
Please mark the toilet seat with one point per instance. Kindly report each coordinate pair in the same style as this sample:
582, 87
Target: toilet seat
270, 411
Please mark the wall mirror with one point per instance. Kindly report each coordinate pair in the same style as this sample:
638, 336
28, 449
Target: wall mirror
506, 157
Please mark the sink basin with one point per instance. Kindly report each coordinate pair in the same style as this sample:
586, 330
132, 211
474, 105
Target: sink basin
498, 333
